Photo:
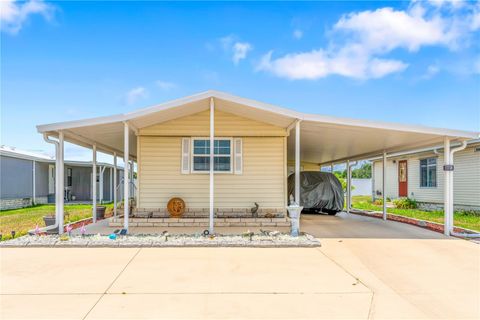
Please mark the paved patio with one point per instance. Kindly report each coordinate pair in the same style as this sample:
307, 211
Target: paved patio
366, 268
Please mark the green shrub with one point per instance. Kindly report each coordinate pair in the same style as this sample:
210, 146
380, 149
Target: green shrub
405, 203
378, 202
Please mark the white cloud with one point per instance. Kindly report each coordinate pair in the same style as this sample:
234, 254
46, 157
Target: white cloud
135, 95
318, 64
165, 85
297, 34
386, 29
360, 40
240, 50
13, 14
237, 49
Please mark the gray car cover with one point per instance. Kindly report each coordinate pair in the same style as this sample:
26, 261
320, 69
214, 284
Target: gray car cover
318, 190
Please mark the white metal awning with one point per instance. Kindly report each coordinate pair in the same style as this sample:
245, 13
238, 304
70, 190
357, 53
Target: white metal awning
324, 139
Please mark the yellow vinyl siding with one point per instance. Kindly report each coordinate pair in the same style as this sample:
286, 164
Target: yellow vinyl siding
226, 125
261, 181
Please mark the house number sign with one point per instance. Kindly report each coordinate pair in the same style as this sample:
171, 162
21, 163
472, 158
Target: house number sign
448, 167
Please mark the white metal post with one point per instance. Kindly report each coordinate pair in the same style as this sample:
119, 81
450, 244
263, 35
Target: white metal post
384, 182
373, 180
446, 187
126, 177
110, 173
331, 168
297, 162
94, 183
34, 191
212, 173
349, 186
115, 185
60, 181
100, 183
132, 194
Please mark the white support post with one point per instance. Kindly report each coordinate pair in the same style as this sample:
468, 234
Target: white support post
100, 183
212, 173
446, 188
60, 181
132, 194
34, 191
115, 185
297, 162
373, 180
349, 187
110, 183
384, 182
94, 183
126, 176
331, 168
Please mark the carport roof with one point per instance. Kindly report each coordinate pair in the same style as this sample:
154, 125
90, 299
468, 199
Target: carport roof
324, 139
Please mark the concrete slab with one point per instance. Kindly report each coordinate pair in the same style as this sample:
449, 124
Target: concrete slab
71, 306
345, 225
226, 270
413, 274
416, 274
60, 270
233, 306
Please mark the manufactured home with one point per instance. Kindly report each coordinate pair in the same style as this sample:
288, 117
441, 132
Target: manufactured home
28, 178
227, 158
419, 175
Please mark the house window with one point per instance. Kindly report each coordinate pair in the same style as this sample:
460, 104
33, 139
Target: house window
222, 155
69, 177
428, 172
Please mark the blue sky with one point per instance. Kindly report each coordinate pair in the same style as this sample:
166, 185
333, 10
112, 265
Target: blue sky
408, 62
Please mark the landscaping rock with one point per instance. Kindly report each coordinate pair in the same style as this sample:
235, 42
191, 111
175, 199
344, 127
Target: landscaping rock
270, 240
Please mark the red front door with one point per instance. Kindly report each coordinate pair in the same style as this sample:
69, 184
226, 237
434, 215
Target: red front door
402, 178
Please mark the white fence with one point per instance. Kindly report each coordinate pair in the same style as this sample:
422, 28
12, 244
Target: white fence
362, 187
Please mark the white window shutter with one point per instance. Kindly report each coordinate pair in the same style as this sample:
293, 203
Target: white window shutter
238, 155
185, 155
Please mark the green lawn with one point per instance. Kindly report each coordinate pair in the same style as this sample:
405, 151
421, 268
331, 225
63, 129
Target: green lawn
462, 219
22, 220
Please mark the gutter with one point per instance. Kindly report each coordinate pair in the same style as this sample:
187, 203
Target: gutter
54, 226
455, 234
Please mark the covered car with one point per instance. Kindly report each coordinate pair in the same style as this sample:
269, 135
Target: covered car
319, 191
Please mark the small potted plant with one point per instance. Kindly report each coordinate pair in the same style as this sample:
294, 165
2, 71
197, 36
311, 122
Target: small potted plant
101, 212
49, 220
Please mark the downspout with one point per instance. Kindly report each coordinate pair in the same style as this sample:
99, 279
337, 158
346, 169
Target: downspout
463, 235
55, 226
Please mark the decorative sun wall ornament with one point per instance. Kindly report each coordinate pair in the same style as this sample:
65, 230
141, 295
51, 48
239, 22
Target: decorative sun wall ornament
176, 207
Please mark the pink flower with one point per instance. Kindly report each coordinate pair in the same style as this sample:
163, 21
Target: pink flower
83, 230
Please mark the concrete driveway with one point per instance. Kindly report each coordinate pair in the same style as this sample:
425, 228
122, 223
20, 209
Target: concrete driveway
366, 268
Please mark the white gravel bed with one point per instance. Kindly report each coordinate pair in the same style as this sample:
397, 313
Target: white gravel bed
274, 239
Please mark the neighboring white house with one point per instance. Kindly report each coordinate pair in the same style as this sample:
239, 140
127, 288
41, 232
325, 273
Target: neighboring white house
419, 175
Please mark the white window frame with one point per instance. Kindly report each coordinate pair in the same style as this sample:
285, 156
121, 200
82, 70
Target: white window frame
192, 155
427, 167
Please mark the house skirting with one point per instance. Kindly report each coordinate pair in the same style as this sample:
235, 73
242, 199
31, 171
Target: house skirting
430, 206
16, 203
219, 213
202, 222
